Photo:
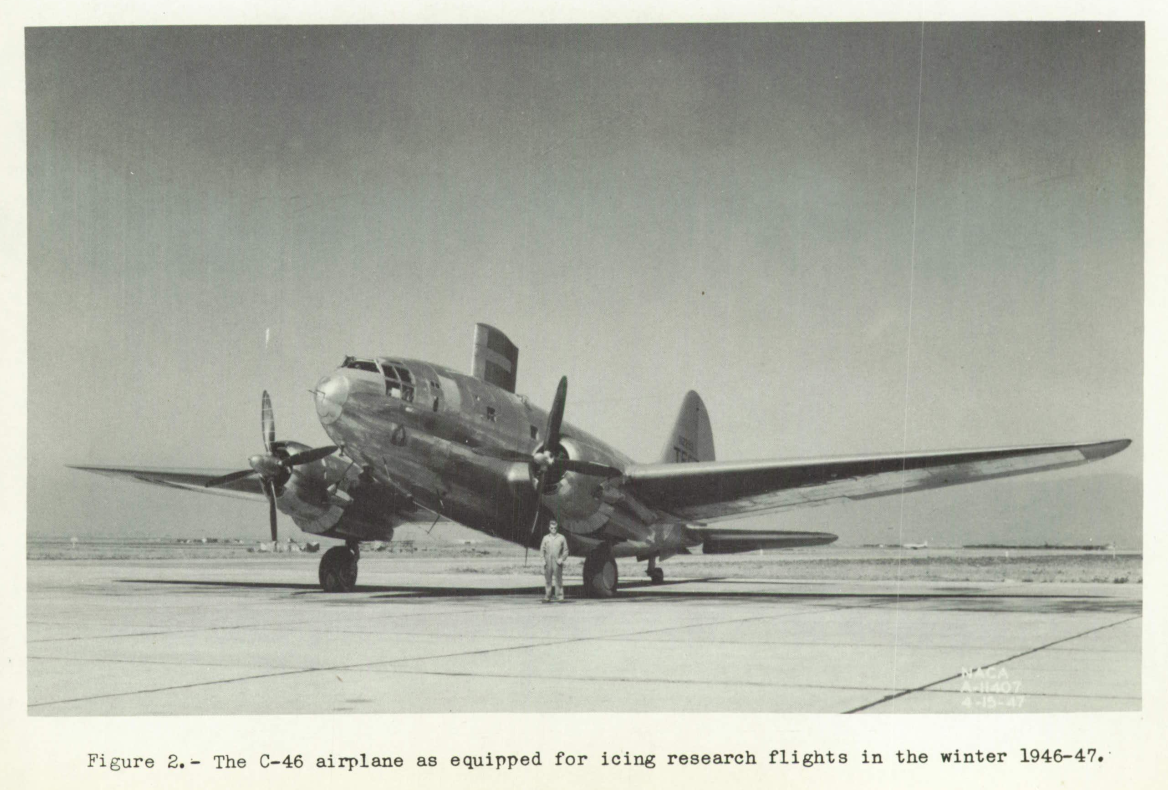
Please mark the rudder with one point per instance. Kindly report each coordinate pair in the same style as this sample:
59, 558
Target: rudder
692, 438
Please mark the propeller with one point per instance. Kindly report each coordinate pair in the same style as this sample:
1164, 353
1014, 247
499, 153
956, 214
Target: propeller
551, 460
274, 465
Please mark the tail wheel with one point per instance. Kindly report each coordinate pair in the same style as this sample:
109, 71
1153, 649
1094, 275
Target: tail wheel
338, 570
600, 576
656, 576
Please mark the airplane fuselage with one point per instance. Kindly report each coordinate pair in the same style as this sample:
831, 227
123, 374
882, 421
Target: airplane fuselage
456, 444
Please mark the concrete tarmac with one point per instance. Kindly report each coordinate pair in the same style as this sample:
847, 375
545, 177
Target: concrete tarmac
256, 636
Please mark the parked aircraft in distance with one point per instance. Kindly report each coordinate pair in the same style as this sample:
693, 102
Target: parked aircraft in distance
917, 546
414, 435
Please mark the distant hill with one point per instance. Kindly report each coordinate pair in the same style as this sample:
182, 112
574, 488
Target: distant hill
1083, 509
443, 532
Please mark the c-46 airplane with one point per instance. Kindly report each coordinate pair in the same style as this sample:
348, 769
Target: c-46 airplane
418, 435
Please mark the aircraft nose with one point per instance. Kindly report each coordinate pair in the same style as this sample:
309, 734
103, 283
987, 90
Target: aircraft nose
331, 393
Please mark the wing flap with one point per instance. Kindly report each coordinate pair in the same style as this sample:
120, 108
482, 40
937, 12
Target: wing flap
702, 492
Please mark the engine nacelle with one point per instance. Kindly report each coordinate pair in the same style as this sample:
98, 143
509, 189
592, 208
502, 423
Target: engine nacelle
357, 509
310, 505
575, 498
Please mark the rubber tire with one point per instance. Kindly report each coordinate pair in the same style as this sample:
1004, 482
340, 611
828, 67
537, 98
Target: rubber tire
656, 576
600, 574
338, 570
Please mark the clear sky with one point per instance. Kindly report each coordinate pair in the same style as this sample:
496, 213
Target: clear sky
740, 210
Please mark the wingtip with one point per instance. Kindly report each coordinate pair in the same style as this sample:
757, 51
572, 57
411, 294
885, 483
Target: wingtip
1093, 452
97, 470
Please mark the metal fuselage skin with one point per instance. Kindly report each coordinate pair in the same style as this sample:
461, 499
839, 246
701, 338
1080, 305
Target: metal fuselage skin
437, 435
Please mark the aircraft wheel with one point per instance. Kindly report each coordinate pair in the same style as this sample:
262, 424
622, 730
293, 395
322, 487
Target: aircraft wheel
656, 576
600, 577
338, 570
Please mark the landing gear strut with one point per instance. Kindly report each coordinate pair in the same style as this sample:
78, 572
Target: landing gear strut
600, 576
655, 574
338, 568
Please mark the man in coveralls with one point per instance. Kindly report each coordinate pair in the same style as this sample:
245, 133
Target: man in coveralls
555, 551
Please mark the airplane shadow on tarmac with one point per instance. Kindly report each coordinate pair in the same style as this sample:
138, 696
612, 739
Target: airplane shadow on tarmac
969, 599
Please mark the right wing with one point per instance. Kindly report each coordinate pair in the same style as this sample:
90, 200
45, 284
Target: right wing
184, 479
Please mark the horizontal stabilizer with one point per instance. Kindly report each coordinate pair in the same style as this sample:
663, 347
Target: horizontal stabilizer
737, 541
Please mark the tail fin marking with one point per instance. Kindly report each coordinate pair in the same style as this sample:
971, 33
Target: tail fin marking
692, 438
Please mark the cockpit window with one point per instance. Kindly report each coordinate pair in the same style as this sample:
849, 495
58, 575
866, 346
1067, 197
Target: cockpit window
398, 382
367, 365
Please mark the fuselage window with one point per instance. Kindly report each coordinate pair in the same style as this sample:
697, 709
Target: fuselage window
534, 432
491, 413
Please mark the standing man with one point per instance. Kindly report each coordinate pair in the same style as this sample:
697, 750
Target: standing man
555, 551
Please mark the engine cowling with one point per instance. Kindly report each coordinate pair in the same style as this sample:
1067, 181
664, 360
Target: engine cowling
574, 498
357, 508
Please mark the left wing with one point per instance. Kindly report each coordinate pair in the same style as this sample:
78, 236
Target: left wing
699, 493
187, 479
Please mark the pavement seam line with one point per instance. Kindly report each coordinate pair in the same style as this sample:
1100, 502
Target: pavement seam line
906, 692
392, 661
672, 681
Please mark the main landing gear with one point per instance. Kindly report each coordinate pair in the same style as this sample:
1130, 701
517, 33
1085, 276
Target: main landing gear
655, 574
338, 568
600, 576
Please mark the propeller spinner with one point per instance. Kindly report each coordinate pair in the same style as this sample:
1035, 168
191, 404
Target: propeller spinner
274, 465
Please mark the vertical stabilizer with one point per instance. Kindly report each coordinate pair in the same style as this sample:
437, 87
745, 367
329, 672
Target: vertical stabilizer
692, 438
495, 359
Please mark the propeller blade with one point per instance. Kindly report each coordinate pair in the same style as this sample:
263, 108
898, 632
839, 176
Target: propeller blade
268, 489
267, 422
589, 468
535, 522
308, 456
556, 416
218, 481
